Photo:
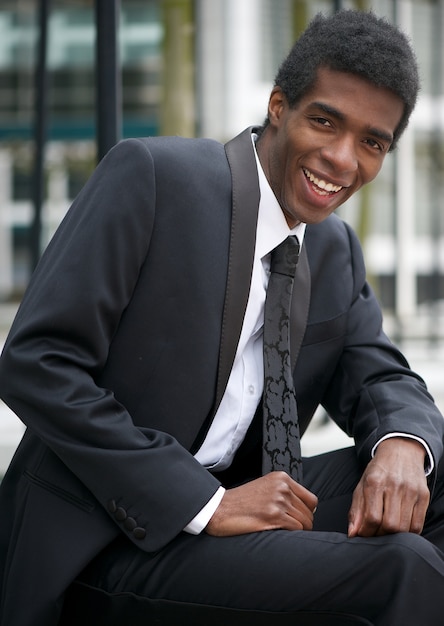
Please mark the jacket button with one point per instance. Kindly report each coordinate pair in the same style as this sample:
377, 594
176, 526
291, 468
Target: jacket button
130, 523
112, 506
139, 533
120, 514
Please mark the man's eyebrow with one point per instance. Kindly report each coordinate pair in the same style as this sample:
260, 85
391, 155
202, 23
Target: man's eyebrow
328, 109
382, 134
376, 132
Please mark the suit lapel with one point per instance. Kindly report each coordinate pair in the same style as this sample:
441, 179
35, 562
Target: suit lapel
300, 303
245, 204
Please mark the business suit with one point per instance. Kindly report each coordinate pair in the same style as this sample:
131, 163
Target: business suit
123, 344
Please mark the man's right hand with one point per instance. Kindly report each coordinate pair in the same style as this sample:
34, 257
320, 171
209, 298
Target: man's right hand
267, 503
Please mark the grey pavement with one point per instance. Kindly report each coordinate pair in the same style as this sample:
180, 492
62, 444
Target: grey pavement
425, 357
11, 429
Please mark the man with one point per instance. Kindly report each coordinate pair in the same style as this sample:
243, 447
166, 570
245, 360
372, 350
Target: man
136, 362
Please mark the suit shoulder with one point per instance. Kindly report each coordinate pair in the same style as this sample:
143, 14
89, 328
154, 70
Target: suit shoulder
168, 154
190, 164
331, 226
332, 246
174, 149
330, 233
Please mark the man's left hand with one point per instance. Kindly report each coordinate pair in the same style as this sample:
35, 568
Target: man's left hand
392, 495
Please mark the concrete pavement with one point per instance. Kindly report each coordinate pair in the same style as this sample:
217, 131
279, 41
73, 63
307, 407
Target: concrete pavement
11, 429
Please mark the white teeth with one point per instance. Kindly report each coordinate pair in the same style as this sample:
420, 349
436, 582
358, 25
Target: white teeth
322, 184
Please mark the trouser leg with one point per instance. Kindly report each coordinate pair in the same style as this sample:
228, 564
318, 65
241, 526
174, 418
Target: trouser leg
392, 580
333, 477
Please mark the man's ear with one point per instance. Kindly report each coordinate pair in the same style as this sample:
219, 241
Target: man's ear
276, 105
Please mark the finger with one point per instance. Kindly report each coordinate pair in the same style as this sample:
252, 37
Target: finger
366, 512
294, 491
273, 500
419, 512
372, 517
396, 515
305, 495
305, 503
300, 513
420, 508
418, 519
298, 502
355, 515
405, 509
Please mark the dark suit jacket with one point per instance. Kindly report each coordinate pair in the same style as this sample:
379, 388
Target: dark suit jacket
122, 347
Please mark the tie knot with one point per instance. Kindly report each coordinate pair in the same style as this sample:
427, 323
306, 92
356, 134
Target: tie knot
285, 256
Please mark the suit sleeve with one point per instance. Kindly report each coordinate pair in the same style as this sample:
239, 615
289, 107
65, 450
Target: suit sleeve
59, 343
373, 392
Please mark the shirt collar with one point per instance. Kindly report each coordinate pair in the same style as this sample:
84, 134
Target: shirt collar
272, 227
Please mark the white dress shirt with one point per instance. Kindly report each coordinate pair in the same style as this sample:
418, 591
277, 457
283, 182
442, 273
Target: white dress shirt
245, 384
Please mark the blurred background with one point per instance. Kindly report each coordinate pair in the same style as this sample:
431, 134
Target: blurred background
78, 75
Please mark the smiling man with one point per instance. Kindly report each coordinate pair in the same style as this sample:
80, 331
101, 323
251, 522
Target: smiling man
160, 477
319, 152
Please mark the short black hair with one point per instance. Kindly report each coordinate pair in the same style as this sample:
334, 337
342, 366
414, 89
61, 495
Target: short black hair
357, 42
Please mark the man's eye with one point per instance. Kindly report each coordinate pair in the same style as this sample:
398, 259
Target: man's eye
374, 144
322, 121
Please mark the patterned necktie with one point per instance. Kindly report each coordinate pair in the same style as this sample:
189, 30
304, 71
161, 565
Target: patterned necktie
281, 441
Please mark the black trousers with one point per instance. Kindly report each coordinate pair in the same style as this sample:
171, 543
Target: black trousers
389, 581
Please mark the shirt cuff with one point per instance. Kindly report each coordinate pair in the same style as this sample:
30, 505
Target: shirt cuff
198, 523
429, 463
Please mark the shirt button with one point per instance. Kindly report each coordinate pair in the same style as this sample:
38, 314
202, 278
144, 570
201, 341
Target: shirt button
251, 389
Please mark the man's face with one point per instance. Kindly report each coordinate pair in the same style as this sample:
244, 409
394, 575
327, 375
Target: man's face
334, 141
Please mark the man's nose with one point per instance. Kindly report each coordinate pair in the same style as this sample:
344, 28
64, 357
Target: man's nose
341, 154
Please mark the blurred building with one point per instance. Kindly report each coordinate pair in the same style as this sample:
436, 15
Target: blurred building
206, 68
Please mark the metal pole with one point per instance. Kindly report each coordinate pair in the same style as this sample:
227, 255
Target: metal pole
108, 76
40, 132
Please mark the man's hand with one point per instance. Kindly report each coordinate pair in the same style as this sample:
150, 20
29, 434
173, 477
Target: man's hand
270, 502
392, 495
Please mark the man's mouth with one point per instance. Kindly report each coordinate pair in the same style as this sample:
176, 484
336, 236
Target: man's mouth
322, 187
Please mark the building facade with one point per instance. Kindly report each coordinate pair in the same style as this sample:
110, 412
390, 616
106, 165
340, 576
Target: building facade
205, 68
